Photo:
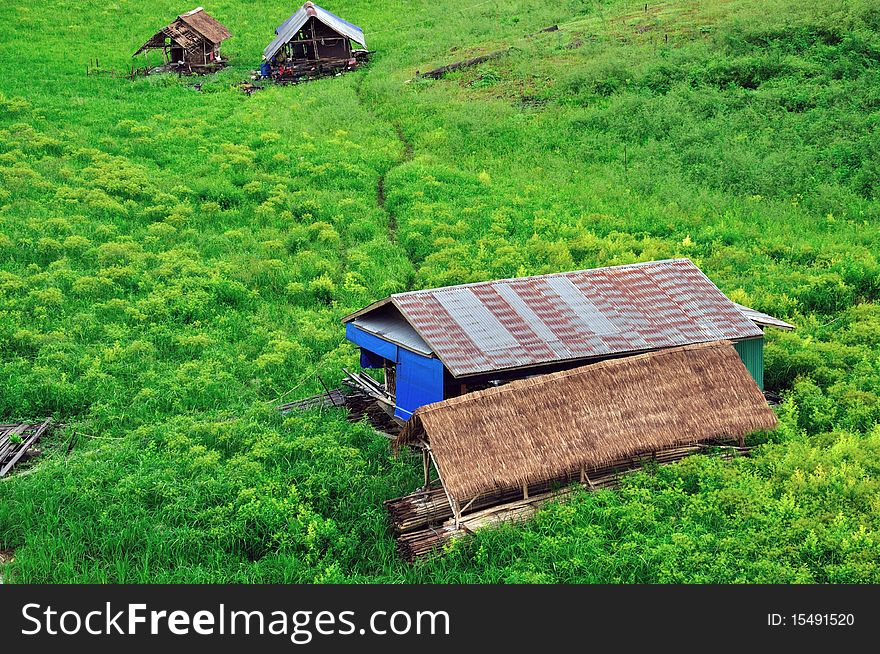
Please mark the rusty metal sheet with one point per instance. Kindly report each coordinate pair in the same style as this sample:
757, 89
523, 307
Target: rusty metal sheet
764, 319
516, 323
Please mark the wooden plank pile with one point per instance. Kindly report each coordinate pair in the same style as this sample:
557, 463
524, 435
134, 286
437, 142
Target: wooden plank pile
296, 71
362, 382
423, 521
360, 406
333, 398
437, 73
17, 443
357, 403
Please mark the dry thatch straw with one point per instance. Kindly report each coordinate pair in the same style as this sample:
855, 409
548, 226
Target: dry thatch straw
532, 430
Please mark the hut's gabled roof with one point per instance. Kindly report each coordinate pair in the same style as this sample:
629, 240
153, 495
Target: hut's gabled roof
539, 429
388, 324
206, 25
189, 29
532, 321
288, 29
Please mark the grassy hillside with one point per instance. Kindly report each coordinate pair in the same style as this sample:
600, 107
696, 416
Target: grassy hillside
174, 261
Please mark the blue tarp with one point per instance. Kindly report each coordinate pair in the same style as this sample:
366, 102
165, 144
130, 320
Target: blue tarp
419, 382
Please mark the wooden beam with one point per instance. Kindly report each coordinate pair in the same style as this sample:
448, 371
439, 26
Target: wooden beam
437, 73
23, 447
586, 479
426, 468
468, 505
456, 511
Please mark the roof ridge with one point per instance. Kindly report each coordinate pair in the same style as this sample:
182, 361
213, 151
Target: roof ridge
637, 264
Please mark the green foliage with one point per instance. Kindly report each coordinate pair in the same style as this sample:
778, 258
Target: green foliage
173, 263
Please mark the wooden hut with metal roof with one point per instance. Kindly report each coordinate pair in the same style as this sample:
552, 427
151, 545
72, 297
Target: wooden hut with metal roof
313, 41
192, 41
441, 343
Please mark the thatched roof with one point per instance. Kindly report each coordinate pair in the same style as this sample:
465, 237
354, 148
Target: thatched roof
206, 25
539, 429
188, 30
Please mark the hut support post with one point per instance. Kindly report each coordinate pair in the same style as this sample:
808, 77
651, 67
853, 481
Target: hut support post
525, 487
585, 479
468, 505
456, 510
426, 468
314, 41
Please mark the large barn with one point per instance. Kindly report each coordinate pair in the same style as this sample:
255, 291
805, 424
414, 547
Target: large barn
313, 40
442, 343
191, 41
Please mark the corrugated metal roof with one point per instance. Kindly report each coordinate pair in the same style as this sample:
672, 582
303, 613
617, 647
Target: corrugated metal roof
763, 319
288, 29
518, 323
392, 327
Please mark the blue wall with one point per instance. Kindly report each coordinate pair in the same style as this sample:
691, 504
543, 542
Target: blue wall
372, 343
419, 382
419, 378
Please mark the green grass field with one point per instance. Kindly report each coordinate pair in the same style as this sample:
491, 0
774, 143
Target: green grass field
174, 262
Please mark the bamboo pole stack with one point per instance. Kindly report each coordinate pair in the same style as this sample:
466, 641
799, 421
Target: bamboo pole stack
423, 521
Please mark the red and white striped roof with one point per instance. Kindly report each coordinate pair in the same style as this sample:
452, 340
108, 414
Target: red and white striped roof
531, 321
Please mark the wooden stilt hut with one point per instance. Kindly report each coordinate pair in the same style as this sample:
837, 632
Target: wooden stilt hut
191, 42
435, 344
312, 42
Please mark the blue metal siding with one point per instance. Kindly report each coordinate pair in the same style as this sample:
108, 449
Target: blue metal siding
419, 382
751, 352
372, 343
419, 378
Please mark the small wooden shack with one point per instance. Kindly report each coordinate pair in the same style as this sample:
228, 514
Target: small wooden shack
191, 42
506, 447
313, 41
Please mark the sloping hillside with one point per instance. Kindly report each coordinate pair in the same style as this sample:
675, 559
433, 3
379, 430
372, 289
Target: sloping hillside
174, 262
